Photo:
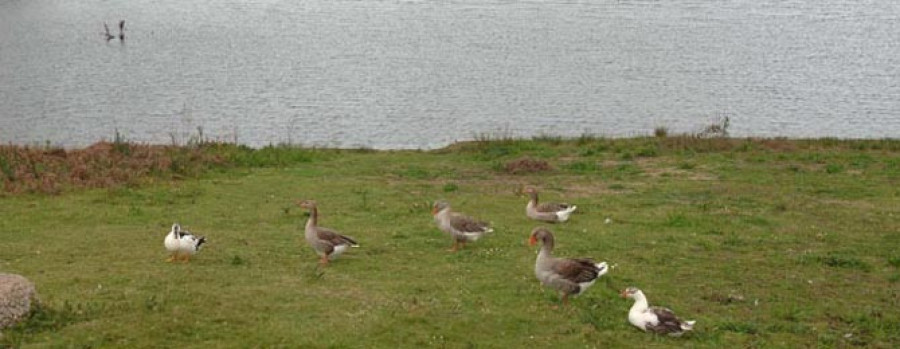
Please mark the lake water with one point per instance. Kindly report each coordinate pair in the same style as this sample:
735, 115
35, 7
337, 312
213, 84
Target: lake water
422, 74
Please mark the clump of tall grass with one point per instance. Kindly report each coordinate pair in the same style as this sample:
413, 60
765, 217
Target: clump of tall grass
548, 138
894, 261
526, 165
695, 143
582, 166
487, 138
586, 138
50, 170
718, 128
490, 145
661, 132
103, 164
837, 261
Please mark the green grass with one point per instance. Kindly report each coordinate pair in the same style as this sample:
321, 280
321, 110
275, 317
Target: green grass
767, 243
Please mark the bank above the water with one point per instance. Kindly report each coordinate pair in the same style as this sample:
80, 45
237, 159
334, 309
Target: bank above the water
51, 170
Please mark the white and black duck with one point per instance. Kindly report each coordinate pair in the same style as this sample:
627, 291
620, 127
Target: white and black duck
654, 319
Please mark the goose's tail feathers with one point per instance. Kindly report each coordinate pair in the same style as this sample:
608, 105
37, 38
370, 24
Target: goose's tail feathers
604, 268
564, 214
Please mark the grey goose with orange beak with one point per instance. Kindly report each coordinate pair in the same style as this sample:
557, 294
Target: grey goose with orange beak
462, 228
549, 211
328, 243
569, 276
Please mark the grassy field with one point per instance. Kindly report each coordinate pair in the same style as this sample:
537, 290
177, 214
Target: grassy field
766, 243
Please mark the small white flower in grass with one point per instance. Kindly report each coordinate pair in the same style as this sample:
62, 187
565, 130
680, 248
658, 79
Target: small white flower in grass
607, 220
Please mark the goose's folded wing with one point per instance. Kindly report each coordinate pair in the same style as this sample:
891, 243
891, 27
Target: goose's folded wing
333, 237
668, 322
552, 207
576, 270
467, 224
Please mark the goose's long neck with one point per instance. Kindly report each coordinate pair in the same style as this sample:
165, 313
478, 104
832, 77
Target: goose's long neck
534, 198
313, 217
443, 215
546, 247
640, 302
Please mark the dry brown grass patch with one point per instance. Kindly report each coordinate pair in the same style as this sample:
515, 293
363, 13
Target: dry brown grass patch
527, 165
26, 169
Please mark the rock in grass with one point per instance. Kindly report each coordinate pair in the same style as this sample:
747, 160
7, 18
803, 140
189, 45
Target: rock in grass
17, 295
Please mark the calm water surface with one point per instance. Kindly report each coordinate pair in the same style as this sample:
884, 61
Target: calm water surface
422, 74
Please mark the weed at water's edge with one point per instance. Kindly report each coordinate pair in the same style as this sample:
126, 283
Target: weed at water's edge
718, 128
120, 145
661, 132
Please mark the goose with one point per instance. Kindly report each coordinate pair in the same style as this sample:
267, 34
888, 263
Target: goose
107, 34
172, 242
548, 211
182, 244
462, 228
567, 276
327, 243
654, 319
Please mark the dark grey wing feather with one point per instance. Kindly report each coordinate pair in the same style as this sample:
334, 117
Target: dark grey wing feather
467, 224
668, 322
333, 237
552, 207
577, 270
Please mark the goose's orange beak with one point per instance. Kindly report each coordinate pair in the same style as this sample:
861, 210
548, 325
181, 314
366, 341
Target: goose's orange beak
434, 211
532, 241
624, 293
